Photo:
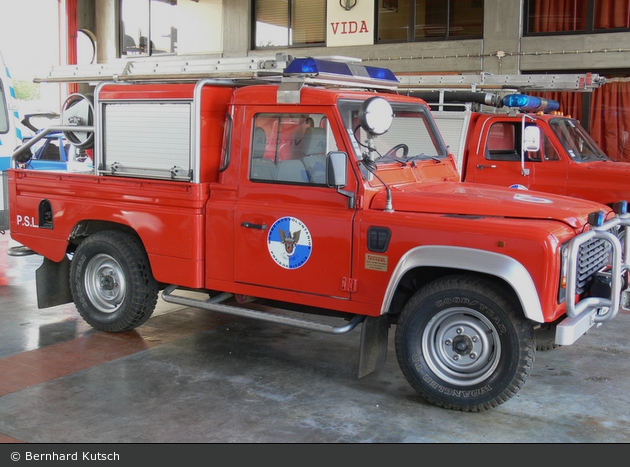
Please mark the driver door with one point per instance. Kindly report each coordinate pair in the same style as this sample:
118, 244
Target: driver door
292, 232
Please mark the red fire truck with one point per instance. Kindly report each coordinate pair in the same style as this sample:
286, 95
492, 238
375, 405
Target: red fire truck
524, 141
308, 190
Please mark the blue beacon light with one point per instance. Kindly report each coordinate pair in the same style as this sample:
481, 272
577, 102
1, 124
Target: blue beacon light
525, 102
316, 66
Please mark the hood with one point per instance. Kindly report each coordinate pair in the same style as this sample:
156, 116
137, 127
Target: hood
609, 166
602, 181
485, 200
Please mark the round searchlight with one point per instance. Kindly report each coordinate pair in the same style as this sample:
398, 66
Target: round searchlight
376, 115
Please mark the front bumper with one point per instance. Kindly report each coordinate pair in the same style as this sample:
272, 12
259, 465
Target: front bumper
595, 310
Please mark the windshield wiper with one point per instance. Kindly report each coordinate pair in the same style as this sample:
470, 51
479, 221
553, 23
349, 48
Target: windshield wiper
423, 156
391, 157
593, 157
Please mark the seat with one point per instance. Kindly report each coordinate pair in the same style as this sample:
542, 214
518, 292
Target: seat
314, 148
314, 141
51, 152
262, 168
292, 170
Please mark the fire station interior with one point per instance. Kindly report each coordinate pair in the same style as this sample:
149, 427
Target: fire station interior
190, 375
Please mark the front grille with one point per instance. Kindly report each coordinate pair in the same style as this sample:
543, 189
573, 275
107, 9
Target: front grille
593, 256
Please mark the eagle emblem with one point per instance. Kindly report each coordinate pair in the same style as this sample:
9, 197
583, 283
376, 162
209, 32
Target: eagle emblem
289, 240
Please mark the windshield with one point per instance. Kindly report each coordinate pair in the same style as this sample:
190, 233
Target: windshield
580, 146
412, 136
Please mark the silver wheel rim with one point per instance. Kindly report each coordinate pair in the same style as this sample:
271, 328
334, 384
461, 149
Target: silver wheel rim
105, 283
461, 346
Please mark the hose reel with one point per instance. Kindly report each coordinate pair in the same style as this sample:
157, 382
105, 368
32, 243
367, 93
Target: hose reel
78, 110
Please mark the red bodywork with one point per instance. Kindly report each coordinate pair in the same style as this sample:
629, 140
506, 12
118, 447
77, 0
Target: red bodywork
604, 181
199, 235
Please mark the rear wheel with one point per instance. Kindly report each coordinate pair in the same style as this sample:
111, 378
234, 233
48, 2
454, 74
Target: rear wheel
462, 344
111, 281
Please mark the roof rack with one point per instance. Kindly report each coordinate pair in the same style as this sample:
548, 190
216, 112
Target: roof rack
182, 68
323, 71
487, 81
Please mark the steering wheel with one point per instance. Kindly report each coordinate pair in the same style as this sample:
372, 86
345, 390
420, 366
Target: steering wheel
392, 152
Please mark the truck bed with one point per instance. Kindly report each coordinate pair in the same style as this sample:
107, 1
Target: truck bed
167, 215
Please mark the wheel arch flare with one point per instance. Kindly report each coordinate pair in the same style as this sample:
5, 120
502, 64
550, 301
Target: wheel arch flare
507, 269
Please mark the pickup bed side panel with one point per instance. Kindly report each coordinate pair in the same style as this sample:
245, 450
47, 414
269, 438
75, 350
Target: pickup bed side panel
167, 216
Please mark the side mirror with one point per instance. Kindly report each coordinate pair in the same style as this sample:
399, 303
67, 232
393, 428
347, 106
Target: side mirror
531, 138
337, 169
337, 174
22, 154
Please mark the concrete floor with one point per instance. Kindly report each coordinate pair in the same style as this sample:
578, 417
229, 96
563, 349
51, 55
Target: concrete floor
193, 376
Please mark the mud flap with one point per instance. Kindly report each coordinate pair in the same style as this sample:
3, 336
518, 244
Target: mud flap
53, 283
374, 339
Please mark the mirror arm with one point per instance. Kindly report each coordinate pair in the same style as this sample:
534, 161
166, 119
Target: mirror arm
524, 171
350, 195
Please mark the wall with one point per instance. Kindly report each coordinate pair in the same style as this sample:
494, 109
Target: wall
236, 30
199, 24
502, 51
579, 52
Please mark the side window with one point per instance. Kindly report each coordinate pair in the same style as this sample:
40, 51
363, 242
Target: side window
290, 148
225, 150
502, 142
546, 152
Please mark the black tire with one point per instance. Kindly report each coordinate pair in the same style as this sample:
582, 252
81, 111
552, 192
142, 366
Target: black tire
495, 344
111, 281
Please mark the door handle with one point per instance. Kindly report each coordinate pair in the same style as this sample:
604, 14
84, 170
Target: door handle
249, 225
479, 166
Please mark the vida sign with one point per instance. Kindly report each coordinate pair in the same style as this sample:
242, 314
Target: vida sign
350, 22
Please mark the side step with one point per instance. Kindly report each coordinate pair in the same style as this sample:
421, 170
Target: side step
214, 304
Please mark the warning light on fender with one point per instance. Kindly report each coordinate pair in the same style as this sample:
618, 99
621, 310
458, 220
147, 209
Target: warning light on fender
596, 219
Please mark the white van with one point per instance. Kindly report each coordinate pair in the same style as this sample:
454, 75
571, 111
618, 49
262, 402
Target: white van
10, 137
10, 132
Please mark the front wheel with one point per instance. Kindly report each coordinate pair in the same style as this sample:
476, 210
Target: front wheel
111, 282
462, 345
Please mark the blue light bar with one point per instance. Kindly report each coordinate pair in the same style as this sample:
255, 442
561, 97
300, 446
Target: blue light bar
332, 68
525, 102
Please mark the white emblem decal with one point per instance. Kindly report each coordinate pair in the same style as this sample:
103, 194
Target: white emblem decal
289, 242
532, 199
